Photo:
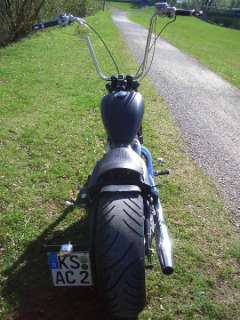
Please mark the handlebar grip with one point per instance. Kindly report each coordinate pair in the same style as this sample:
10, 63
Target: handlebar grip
185, 12
39, 26
52, 23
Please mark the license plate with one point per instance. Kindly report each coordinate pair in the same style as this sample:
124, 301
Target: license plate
70, 270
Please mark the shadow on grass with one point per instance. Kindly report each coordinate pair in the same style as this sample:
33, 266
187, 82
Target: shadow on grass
29, 287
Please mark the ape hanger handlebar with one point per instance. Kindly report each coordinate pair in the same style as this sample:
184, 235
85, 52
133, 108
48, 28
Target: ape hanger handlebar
162, 9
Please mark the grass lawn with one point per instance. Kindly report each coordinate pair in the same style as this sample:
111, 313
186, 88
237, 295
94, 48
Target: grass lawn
50, 137
216, 47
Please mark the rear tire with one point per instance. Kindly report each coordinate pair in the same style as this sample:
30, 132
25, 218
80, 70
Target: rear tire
119, 254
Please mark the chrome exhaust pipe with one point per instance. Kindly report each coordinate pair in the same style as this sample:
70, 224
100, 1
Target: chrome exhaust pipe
163, 242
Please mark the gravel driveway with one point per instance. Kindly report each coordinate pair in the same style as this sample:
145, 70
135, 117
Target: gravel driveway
205, 107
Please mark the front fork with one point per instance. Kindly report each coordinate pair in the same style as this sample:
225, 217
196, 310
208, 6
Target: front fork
155, 221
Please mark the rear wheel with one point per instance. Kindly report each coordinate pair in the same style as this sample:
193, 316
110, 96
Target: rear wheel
119, 253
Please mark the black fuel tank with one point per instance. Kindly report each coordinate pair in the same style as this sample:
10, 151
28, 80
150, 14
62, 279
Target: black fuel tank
122, 114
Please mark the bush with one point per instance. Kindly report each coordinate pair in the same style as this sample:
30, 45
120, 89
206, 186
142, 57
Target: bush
17, 17
82, 8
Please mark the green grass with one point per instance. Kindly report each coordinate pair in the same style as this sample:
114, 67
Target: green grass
121, 5
216, 47
50, 137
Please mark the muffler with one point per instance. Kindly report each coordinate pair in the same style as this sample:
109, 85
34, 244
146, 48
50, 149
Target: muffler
163, 242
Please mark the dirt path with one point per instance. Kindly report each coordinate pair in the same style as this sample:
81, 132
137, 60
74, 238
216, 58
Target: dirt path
205, 107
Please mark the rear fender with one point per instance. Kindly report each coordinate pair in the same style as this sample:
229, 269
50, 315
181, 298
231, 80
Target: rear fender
123, 160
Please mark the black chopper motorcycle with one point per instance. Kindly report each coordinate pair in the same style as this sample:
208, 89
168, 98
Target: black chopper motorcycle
120, 194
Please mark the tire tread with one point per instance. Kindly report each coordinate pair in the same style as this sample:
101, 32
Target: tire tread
120, 258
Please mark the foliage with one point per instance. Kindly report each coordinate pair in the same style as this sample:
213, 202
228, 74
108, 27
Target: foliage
53, 8
17, 17
197, 4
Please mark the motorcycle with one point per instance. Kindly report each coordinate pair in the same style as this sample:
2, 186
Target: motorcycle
120, 195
